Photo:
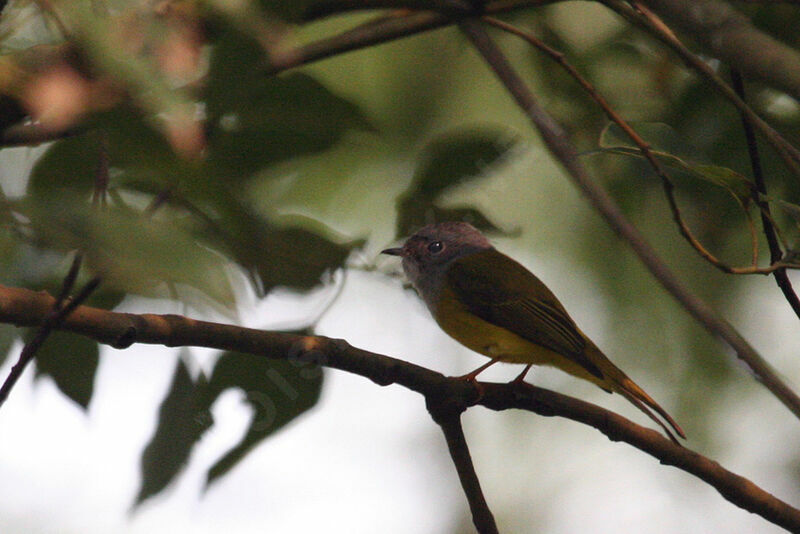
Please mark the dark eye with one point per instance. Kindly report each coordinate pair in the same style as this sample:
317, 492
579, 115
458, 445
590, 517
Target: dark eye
435, 247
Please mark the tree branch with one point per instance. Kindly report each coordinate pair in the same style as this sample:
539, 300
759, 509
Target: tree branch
24, 307
556, 140
786, 151
382, 29
448, 416
775, 252
58, 312
669, 188
729, 36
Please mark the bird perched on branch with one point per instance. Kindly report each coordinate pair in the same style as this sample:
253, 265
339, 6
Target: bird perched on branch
493, 305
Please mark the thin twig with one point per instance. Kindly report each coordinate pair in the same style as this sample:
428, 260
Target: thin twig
644, 147
556, 140
52, 321
775, 252
24, 307
788, 153
63, 306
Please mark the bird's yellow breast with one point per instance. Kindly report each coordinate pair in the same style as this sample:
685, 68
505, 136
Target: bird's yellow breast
486, 338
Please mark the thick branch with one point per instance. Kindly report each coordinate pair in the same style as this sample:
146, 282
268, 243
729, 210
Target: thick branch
23, 307
556, 140
729, 36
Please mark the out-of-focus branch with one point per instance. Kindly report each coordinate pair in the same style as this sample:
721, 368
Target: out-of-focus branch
24, 307
379, 30
787, 152
728, 35
776, 262
556, 140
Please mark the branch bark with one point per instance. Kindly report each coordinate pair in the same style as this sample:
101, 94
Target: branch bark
23, 307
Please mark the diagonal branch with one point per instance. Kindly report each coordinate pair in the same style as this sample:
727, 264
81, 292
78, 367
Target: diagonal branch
556, 140
24, 307
60, 310
787, 152
776, 263
775, 252
63, 305
729, 35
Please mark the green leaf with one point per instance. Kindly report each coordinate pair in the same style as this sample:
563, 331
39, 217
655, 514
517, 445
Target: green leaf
182, 420
8, 334
737, 184
68, 165
139, 154
290, 10
458, 157
614, 141
660, 136
71, 361
448, 161
296, 254
257, 120
277, 391
132, 254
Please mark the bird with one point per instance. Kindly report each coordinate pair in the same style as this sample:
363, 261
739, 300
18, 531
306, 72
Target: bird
493, 305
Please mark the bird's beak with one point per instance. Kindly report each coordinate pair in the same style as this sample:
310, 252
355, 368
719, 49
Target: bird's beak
393, 251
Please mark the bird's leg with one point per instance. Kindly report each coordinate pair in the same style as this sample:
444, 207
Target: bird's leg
470, 377
521, 377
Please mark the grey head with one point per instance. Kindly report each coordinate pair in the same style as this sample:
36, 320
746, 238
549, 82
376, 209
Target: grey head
428, 253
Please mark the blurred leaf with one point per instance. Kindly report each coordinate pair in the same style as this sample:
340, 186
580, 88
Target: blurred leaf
69, 165
459, 156
8, 334
289, 255
71, 361
258, 120
181, 423
789, 208
446, 162
108, 45
139, 154
277, 391
131, 253
290, 10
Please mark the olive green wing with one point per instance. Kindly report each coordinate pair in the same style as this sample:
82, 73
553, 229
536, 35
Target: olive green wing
517, 301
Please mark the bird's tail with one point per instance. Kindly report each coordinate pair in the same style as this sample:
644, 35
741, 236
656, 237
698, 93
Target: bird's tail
636, 395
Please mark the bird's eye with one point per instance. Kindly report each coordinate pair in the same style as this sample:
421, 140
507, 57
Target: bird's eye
435, 247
